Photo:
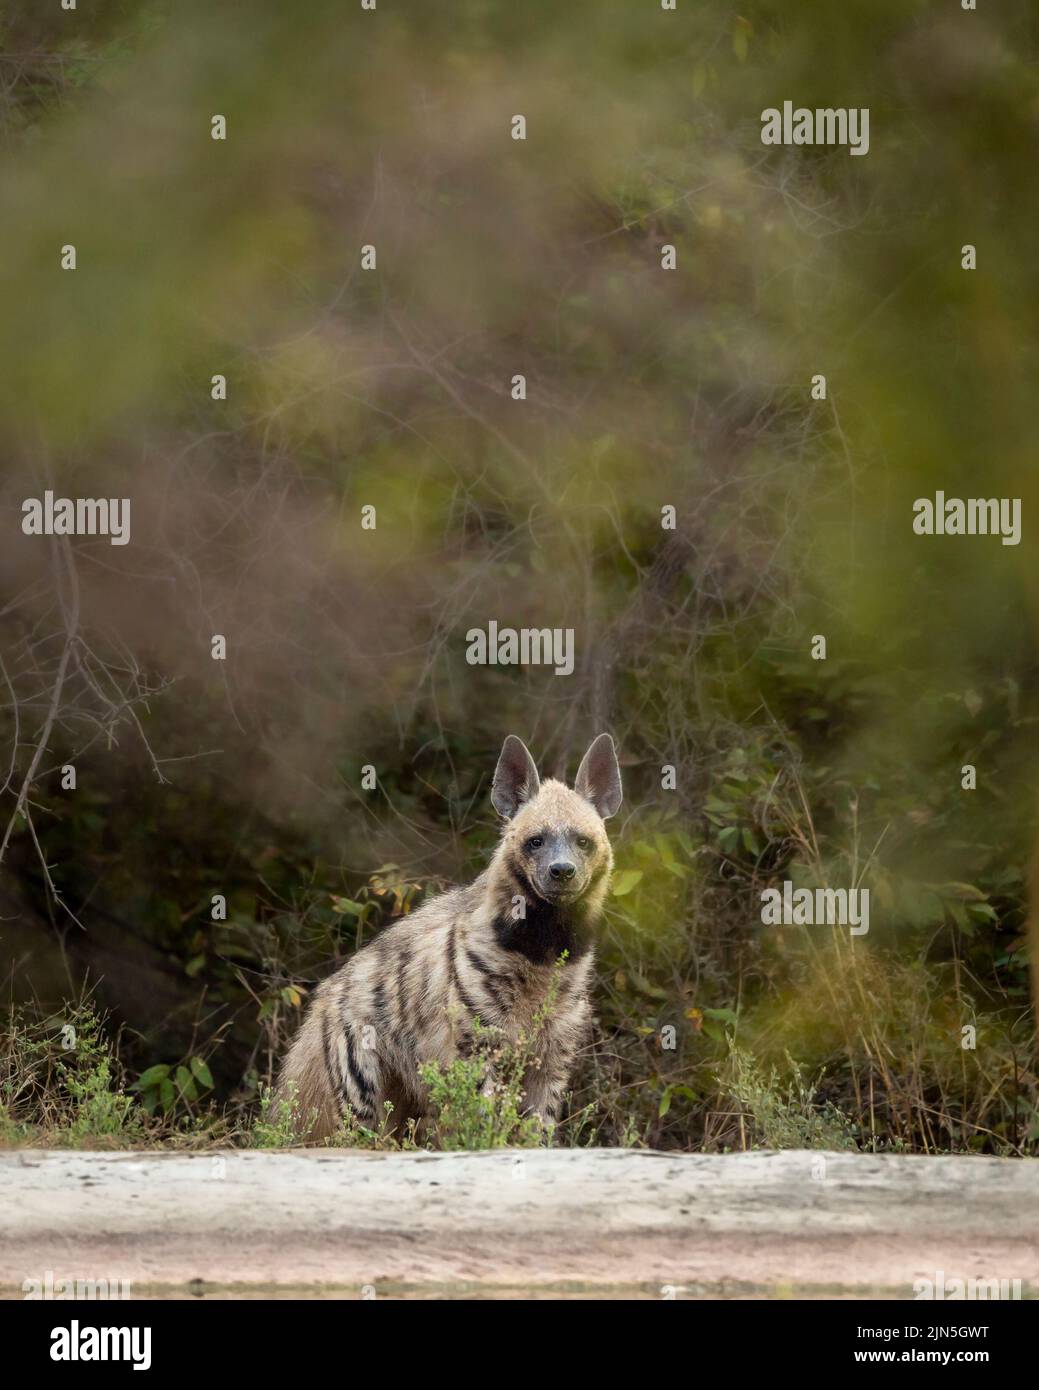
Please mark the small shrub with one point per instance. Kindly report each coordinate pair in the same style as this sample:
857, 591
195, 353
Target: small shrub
477, 1101
785, 1114
279, 1122
61, 1083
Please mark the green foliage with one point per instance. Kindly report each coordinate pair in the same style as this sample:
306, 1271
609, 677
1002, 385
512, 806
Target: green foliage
279, 1121
478, 1102
101, 1110
164, 1085
784, 1114
352, 1134
472, 1112
62, 1083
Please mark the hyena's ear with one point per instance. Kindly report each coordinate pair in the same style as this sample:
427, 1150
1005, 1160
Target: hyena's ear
516, 778
599, 777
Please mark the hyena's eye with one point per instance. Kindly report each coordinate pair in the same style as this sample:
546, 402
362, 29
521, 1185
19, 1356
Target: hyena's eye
583, 842
535, 842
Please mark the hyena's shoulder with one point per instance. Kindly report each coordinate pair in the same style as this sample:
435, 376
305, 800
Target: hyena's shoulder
434, 916
426, 929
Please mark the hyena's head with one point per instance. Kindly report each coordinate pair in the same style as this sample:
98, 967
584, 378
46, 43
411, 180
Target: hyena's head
555, 841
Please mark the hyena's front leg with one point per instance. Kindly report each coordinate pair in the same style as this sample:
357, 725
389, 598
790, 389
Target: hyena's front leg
544, 1084
546, 1080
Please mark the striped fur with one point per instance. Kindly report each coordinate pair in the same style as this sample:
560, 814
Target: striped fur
485, 951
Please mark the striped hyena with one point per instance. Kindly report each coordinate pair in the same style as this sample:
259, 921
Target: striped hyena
487, 951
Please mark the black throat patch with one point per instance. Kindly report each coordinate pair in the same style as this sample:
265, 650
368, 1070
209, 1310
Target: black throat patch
547, 929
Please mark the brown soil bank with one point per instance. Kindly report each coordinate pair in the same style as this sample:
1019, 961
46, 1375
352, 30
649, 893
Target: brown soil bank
589, 1222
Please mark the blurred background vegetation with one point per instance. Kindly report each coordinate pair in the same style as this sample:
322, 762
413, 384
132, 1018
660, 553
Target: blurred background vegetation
646, 388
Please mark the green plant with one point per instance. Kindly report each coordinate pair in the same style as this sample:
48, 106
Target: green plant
352, 1134
785, 1114
165, 1085
90, 1075
279, 1122
12, 1132
477, 1101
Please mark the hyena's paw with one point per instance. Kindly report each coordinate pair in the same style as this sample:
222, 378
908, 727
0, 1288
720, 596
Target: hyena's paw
544, 1114
548, 1128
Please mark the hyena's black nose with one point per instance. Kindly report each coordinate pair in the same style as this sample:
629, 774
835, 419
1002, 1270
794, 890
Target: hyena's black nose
563, 870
